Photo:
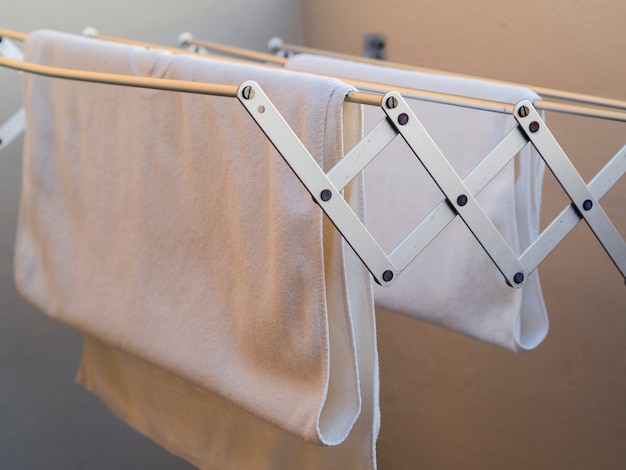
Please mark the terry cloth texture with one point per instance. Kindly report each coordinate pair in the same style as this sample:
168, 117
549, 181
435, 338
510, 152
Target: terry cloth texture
213, 433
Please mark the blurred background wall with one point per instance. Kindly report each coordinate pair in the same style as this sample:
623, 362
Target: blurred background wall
447, 401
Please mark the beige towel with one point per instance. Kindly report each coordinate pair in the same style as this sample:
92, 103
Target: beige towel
167, 226
453, 283
212, 433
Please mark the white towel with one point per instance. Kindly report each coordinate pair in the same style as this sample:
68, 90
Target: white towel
453, 283
166, 225
213, 433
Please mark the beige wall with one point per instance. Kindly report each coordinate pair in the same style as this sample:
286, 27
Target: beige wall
449, 402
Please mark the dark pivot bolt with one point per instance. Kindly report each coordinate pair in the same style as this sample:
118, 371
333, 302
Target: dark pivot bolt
387, 275
588, 204
518, 278
326, 194
461, 200
403, 119
534, 126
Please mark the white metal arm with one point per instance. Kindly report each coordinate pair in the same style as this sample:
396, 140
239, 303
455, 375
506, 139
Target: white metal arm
316, 182
459, 193
583, 200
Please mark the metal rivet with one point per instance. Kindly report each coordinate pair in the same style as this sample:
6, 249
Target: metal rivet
461, 200
518, 278
523, 111
392, 102
388, 275
588, 204
403, 119
326, 194
534, 126
247, 92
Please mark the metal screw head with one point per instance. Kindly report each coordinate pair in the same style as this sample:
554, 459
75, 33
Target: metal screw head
518, 278
523, 111
588, 204
534, 127
247, 92
388, 275
461, 200
326, 194
392, 102
403, 119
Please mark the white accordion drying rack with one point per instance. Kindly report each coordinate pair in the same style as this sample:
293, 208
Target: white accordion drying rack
460, 194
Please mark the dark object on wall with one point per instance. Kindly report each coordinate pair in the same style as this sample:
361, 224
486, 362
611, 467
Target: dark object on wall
374, 46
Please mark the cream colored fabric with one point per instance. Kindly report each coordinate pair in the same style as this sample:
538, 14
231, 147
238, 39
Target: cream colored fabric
453, 283
213, 433
166, 225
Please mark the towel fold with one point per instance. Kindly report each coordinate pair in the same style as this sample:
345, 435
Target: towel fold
453, 283
167, 226
211, 432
